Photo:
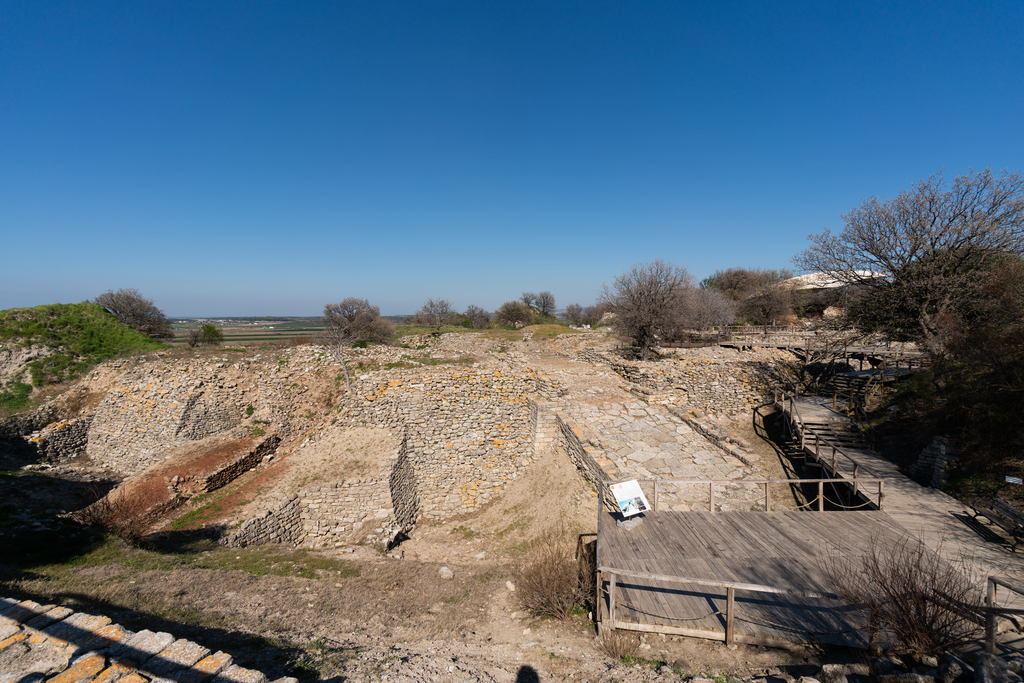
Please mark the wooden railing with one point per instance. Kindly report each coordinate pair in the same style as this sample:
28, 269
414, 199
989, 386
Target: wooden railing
730, 587
764, 483
837, 452
991, 611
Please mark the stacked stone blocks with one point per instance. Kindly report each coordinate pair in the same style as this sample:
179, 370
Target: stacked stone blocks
59, 645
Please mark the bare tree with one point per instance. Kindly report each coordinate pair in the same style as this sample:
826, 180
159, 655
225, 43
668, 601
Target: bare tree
135, 310
513, 314
924, 246
435, 313
350, 321
766, 304
649, 300
592, 314
477, 316
194, 336
574, 312
528, 298
546, 303
709, 308
739, 283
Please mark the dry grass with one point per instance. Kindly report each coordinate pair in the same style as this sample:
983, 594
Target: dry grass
552, 581
123, 515
619, 644
918, 603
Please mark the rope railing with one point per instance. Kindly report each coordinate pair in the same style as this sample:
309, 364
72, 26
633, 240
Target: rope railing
765, 484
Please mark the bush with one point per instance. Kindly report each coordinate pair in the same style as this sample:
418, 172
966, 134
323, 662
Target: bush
553, 582
121, 514
916, 600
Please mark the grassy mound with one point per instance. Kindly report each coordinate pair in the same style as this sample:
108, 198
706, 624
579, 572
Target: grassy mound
85, 335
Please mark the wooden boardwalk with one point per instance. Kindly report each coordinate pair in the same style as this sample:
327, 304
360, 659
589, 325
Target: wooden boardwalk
782, 550
943, 523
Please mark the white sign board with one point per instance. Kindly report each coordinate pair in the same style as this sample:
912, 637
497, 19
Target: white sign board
1014, 480
630, 498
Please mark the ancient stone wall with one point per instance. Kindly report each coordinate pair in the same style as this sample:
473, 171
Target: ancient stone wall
405, 497
589, 459
934, 462
60, 441
228, 474
164, 404
343, 512
280, 525
469, 431
142, 417
712, 385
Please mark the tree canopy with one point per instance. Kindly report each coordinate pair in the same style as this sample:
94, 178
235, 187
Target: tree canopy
135, 310
924, 255
649, 302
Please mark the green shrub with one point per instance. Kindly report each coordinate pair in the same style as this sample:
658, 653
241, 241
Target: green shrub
361, 344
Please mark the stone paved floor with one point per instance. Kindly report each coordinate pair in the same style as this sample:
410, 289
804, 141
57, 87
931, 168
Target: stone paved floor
648, 442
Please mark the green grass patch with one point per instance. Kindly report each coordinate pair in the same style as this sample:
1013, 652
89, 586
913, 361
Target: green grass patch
85, 333
15, 397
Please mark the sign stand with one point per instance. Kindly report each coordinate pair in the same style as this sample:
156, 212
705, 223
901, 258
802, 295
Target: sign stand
632, 504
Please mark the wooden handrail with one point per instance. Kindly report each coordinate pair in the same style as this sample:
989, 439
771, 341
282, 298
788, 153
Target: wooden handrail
730, 587
992, 611
711, 483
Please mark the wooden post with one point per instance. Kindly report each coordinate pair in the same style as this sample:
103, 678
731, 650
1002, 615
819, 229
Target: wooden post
881, 493
821, 496
835, 396
990, 618
767, 499
833, 462
655, 496
730, 608
711, 497
612, 597
817, 448
856, 472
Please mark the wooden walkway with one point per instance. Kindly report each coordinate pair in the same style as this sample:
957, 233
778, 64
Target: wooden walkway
940, 521
783, 550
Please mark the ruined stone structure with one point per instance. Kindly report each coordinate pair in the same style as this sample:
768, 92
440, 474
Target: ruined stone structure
340, 513
934, 462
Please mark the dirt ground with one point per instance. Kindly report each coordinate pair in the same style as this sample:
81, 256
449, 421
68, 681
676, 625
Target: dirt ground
350, 614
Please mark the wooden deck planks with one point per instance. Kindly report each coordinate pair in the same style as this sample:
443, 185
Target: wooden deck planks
781, 549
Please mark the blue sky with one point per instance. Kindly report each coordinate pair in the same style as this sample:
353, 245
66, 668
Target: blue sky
266, 158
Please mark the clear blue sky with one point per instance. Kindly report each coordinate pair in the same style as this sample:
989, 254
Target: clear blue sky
270, 157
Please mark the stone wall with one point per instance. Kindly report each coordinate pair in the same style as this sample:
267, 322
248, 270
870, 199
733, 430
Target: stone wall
712, 385
405, 497
160, 405
589, 459
469, 431
145, 415
280, 525
265, 447
934, 462
377, 509
60, 441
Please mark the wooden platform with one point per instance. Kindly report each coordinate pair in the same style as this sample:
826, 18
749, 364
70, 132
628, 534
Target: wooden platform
781, 550
940, 521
